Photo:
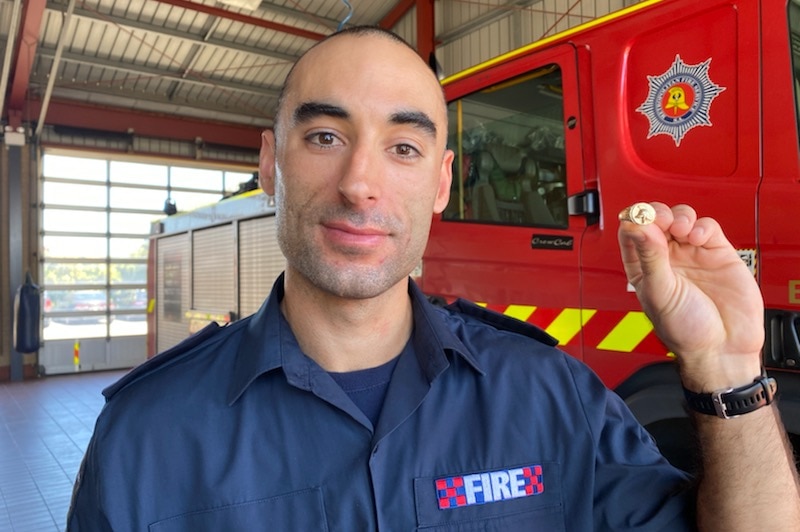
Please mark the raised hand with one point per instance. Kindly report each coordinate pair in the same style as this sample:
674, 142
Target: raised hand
701, 297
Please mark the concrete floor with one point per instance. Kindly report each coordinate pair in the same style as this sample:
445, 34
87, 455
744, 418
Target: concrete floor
45, 426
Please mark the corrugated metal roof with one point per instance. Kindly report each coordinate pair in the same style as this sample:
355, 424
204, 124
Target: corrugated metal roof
153, 53
156, 56
204, 60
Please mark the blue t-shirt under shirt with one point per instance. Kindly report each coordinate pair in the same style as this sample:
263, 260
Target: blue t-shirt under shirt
367, 387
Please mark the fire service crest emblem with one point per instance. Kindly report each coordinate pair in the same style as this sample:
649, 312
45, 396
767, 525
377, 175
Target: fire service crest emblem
679, 99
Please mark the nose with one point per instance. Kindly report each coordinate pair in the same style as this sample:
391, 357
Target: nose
360, 180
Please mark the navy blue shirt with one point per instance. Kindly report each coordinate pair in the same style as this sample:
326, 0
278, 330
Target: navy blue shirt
367, 387
485, 426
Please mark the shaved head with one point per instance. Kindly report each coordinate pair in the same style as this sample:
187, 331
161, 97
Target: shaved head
355, 31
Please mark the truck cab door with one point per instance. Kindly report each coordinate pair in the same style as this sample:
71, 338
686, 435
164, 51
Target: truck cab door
778, 267
507, 239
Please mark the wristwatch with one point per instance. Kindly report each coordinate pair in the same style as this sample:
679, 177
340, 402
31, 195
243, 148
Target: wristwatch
732, 402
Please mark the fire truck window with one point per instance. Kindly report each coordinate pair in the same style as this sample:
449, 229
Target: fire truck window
794, 35
510, 165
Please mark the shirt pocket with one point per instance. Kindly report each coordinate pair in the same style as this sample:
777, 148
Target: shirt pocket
526, 497
300, 510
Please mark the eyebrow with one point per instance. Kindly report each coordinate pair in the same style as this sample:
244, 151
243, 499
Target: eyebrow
308, 111
417, 119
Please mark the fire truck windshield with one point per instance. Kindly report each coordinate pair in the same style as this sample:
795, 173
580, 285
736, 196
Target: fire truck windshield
510, 161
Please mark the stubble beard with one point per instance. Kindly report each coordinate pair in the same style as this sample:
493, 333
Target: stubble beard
344, 278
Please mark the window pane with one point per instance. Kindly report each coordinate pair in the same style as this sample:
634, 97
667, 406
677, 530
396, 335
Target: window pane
138, 198
77, 247
77, 195
187, 201
70, 329
74, 167
78, 314
71, 273
128, 248
128, 324
510, 165
74, 221
123, 222
122, 273
236, 180
138, 173
77, 301
129, 299
196, 178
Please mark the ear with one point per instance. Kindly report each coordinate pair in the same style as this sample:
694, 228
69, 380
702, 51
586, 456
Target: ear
445, 178
266, 162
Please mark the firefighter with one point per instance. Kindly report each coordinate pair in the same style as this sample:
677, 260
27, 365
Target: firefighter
348, 402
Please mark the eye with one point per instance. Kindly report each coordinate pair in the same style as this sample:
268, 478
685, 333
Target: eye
323, 139
406, 150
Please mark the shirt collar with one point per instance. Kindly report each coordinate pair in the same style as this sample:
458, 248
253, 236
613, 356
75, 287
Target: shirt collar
433, 338
266, 347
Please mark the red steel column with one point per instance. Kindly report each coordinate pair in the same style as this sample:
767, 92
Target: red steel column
426, 32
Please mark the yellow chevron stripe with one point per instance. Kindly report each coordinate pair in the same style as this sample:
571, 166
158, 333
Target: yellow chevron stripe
628, 333
521, 312
569, 323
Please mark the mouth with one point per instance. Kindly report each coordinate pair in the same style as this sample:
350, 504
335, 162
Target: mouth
347, 235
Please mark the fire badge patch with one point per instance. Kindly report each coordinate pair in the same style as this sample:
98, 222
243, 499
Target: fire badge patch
679, 99
491, 486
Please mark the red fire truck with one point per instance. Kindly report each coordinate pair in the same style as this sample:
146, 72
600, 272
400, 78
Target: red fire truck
215, 263
675, 101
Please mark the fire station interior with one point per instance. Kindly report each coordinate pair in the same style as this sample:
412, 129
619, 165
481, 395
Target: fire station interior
128, 155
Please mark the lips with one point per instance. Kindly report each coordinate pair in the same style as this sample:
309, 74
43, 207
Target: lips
348, 235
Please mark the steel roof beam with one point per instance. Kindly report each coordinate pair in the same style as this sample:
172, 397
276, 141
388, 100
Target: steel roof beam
7, 56
151, 72
66, 30
114, 20
247, 115
426, 31
396, 13
32, 13
328, 23
499, 12
74, 114
246, 19
194, 56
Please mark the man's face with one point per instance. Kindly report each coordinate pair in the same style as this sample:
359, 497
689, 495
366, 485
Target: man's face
360, 165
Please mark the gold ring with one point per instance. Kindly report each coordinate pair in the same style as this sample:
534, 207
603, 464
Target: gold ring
638, 213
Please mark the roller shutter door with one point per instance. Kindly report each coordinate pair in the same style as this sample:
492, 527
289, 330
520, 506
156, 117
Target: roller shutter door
260, 262
173, 290
214, 266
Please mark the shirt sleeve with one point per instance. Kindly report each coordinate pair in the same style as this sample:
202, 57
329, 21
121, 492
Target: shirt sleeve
635, 487
85, 513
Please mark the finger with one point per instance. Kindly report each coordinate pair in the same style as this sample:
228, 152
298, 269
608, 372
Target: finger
707, 232
644, 247
632, 234
681, 223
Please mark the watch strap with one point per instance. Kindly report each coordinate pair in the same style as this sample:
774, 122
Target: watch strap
731, 402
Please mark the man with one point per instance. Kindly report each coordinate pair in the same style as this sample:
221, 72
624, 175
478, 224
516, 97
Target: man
350, 403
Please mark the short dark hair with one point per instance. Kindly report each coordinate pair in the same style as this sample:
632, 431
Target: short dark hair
356, 31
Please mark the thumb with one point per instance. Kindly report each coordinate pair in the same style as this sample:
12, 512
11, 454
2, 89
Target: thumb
645, 255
